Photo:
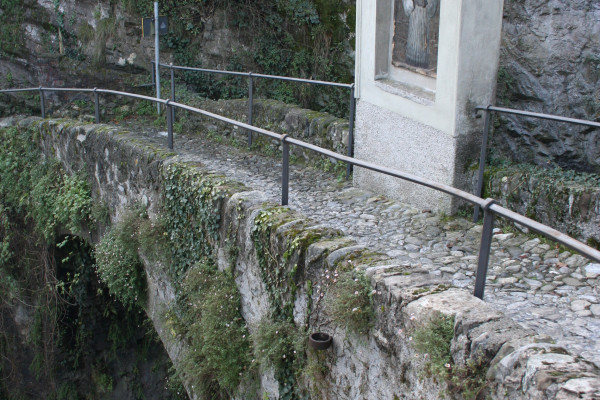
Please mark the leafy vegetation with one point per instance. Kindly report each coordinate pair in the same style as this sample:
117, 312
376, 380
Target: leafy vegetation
191, 215
282, 346
118, 262
277, 274
75, 324
301, 38
37, 189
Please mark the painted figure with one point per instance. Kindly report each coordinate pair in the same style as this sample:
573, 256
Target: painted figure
419, 13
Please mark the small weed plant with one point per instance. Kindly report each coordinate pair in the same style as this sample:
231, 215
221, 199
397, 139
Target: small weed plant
277, 343
349, 299
433, 340
281, 345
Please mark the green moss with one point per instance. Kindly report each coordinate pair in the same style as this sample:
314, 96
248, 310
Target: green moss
11, 27
421, 290
360, 257
85, 32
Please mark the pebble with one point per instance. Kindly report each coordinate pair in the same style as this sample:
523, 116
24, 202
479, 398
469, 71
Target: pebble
572, 281
545, 296
592, 271
580, 305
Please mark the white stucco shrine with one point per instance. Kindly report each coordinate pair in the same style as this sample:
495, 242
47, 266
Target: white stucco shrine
421, 68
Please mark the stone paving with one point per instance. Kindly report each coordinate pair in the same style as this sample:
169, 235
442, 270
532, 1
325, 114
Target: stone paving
555, 293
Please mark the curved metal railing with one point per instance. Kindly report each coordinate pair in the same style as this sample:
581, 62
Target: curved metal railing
251, 76
489, 207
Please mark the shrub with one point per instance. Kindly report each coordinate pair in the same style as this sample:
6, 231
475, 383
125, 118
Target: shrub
119, 266
434, 340
216, 331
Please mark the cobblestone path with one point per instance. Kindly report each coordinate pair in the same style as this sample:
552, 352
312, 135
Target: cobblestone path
555, 293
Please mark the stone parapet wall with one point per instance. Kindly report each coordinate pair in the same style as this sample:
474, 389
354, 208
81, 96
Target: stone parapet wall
383, 363
314, 127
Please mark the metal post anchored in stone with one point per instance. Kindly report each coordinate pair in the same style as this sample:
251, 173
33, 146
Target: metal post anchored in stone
351, 131
172, 91
42, 103
96, 106
250, 106
153, 73
482, 157
285, 175
169, 124
484, 248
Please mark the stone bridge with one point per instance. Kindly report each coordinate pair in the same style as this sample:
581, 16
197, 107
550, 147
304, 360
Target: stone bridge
536, 335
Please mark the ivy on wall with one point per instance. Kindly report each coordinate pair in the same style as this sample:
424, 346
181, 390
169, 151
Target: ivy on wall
37, 189
190, 208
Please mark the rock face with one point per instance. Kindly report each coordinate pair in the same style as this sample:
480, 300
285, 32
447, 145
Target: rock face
550, 63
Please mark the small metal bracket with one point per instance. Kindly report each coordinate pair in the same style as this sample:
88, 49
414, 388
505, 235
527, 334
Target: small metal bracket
487, 204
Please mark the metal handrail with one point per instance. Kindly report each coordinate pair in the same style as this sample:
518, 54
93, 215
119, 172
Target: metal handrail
255, 75
550, 117
488, 205
488, 110
251, 76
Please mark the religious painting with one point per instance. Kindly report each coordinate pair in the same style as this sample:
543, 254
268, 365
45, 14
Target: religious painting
416, 34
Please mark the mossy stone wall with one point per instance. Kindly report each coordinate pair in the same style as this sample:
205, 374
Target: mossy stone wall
285, 263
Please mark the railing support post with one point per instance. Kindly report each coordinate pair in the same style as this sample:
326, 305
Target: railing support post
172, 92
351, 131
484, 249
42, 103
285, 174
96, 106
153, 73
482, 157
157, 55
169, 125
250, 106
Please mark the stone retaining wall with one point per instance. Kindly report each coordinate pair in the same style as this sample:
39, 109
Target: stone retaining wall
124, 169
566, 201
